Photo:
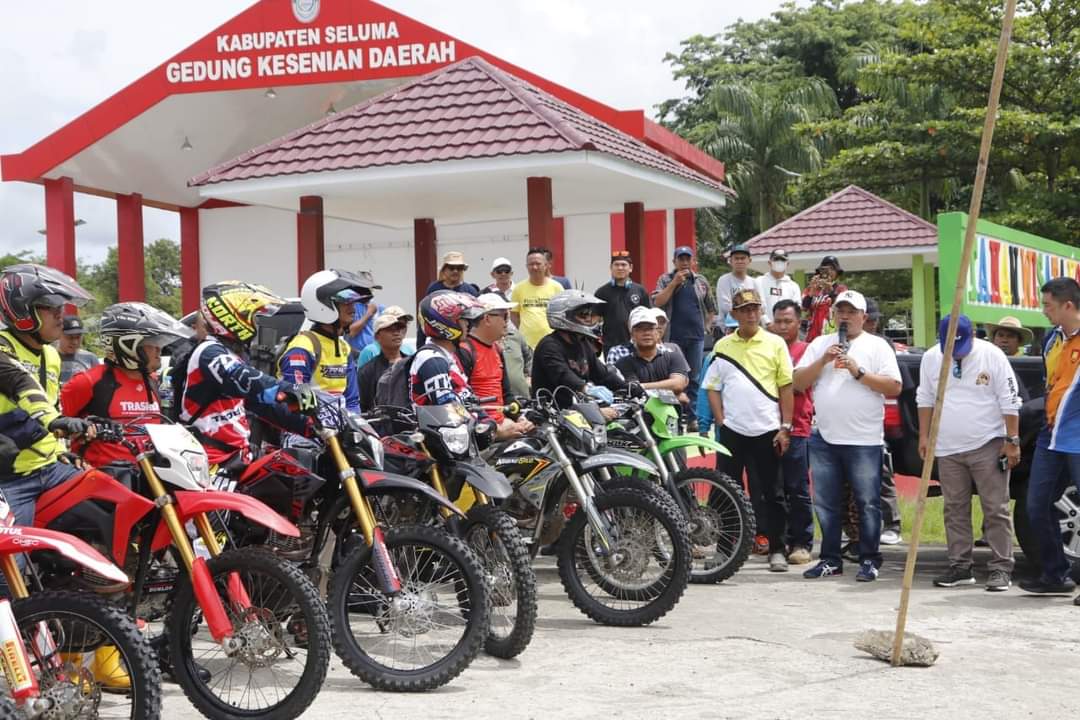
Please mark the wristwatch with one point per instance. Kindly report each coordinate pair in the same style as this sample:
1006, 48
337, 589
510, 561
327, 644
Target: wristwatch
786, 426
859, 376
1013, 440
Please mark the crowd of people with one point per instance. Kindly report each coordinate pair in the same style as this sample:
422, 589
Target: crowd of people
797, 383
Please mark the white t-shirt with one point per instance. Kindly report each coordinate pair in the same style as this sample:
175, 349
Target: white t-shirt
725, 288
848, 412
773, 291
974, 404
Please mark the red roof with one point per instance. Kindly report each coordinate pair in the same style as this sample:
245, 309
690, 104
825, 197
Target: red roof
468, 110
852, 219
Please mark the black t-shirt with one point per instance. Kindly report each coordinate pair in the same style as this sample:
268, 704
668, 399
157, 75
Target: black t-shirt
368, 380
661, 367
557, 362
620, 299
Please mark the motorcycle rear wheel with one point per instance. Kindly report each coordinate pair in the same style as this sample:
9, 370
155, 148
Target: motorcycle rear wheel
723, 522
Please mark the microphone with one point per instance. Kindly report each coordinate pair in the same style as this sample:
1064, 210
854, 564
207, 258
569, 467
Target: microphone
841, 335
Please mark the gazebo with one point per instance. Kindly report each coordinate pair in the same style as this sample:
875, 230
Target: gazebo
864, 232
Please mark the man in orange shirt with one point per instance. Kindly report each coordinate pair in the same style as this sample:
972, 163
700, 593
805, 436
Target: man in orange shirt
482, 361
1057, 450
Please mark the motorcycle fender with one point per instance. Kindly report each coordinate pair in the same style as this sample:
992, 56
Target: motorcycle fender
686, 441
189, 503
617, 458
376, 482
486, 479
16, 540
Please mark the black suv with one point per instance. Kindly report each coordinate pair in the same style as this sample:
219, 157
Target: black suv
1030, 374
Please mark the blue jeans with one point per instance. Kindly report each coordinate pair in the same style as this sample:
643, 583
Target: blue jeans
694, 351
860, 467
1051, 471
796, 471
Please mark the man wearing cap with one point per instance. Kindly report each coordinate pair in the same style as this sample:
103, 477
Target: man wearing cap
388, 348
73, 359
691, 307
738, 279
648, 364
622, 295
452, 276
776, 285
750, 393
980, 424
393, 314
532, 297
851, 372
361, 331
819, 295
502, 272
1009, 335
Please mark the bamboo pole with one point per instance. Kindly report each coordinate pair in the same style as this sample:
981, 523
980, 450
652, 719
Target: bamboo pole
954, 316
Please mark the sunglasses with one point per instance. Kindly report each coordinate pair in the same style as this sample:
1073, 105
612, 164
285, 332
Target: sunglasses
956, 371
456, 267
503, 269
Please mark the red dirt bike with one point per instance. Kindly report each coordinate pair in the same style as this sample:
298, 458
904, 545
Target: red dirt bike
246, 632
64, 654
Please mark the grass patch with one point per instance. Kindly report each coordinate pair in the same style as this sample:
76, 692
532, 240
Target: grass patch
933, 531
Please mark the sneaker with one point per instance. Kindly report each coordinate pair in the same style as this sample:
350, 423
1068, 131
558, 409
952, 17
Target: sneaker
823, 569
999, 581
777, 562
761, 545
799, 556
891, 537
955, 576
1041, 587
868, 571
850, 552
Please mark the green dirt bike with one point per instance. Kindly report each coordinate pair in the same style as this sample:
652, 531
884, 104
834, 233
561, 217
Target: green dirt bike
720, 516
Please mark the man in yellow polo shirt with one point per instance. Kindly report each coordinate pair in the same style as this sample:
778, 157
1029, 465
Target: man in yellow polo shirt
752, 399
532, 297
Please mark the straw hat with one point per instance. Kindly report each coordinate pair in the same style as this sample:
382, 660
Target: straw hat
1010, 323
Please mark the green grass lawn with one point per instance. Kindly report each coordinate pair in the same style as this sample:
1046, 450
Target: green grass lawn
933, 531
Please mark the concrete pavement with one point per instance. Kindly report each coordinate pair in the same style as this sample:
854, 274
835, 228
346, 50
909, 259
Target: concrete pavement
761, 645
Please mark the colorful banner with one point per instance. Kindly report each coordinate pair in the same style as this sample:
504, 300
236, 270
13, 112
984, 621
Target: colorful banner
1008, 268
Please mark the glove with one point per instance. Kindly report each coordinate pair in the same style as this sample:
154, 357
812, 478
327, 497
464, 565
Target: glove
305, 397
8, 452
600, 393
69, 426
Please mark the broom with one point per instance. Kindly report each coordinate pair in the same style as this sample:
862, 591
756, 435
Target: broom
892, 647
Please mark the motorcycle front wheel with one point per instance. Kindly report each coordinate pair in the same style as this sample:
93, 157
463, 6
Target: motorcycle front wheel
282, 640
645, 572
721, 523
422, 636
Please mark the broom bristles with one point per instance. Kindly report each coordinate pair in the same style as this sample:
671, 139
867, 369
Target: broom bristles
918, 651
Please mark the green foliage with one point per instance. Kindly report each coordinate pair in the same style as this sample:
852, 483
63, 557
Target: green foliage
161, 260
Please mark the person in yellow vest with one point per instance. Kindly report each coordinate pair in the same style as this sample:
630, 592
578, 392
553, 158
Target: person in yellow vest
321, 356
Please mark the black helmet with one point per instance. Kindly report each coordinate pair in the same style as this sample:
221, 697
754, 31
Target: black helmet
126, 327
26, 286
831, 261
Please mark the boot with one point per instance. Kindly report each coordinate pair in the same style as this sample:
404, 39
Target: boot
109, 671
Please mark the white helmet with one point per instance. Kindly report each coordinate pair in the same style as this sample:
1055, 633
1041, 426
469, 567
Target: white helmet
326, 289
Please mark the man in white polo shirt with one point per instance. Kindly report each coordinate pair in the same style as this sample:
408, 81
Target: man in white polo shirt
749, 385
980, 424
851, 372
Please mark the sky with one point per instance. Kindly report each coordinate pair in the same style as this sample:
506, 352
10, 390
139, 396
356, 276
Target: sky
68, 55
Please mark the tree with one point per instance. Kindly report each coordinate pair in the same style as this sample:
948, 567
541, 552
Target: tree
161, 260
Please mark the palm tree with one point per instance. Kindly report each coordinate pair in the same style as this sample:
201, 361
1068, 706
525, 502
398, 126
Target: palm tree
754, 134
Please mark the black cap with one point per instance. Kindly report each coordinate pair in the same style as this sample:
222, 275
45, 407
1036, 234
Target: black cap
73, 325
873, 312
831, 261
778, 254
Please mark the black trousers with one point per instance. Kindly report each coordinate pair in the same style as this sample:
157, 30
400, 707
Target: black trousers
758, 457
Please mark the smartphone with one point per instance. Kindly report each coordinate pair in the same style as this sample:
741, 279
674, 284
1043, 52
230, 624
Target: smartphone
1003, 463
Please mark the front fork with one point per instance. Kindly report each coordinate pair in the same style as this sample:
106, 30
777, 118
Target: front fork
585, 495
389, 580
667, 473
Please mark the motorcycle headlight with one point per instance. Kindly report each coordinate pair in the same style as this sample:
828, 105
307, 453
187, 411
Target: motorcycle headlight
456, 439
199, 467
672, 425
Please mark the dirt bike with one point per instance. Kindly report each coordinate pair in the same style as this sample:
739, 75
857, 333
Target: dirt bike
721, 518
438, 443
47, 637
622, 550
246, 633
408, 603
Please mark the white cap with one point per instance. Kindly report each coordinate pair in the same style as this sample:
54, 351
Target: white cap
500, 261
492, 302
855, 299
641, 315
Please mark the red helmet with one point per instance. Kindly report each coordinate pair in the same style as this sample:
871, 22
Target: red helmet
27, 286
442, 311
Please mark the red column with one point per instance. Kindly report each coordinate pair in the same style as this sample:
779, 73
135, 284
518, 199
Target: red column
424, 247
634, 232
129, 246
190, 281
557, 245
655, 255
310, 255
60, 224
686, 228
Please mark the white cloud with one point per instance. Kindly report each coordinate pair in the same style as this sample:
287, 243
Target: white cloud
69, 55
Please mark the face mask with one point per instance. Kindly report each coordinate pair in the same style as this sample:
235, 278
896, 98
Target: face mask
778, 265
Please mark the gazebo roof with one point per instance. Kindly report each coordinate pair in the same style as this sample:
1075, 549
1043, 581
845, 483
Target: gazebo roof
470, 110
854, 223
